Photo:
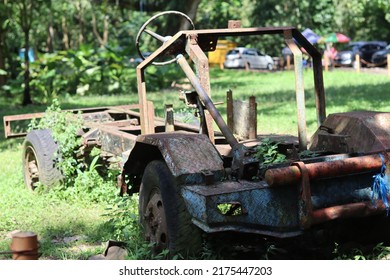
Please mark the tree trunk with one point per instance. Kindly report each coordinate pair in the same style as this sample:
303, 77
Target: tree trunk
3, 78
26, 95
50, 31
191, 12
80, 18
26, 10
102, 40
50, 38
105, 32
3, 44
65, 38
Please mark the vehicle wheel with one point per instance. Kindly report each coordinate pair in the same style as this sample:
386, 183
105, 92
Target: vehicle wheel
163, 215
270, 67
39, 149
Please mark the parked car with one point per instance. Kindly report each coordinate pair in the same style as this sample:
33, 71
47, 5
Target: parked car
380, 57
347, 56
242, 57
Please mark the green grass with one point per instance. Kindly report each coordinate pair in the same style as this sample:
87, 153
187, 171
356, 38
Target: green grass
53, 218
275, 95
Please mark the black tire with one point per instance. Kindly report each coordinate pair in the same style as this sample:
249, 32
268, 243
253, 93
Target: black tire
163, 215
39, 162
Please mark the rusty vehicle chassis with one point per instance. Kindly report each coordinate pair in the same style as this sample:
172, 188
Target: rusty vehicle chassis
214, 169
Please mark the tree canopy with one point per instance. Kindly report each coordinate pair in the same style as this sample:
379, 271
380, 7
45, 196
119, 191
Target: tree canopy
102, 32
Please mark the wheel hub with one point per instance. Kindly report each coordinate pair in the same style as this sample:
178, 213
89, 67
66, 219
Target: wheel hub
155, 223
31, 169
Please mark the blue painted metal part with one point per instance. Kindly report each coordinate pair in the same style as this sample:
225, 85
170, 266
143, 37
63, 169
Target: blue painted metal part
266, 210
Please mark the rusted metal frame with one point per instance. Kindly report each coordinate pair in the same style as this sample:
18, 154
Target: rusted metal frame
169, 118
223, 32
359, 209
238, 228
299, 90
123, 123
207, 101
255, 197
89, 139
305, 207
8, 119
202, 70
234, 24
177, 43
120, 108
252, 117
114, 132
318, 75
229, 109
147, 126
157, 122
322, 170
7, 128
150, 113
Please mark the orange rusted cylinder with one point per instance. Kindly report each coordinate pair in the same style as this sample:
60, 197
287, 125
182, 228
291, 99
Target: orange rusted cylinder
321, 170
24, 246
359, 209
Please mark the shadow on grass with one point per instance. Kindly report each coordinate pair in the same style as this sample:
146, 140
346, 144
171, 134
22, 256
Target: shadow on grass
75, 240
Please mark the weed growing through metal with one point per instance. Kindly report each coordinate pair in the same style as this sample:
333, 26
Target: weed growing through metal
64, 127
267, 153
80, 174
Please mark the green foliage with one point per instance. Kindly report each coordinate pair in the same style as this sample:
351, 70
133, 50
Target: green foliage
88, 71
64, 126
267, 153
378, 252
123, 219
72, 59
364, 19
82, 180
82, 72
123, 225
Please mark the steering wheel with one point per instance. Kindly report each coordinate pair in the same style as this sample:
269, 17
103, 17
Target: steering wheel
162, 39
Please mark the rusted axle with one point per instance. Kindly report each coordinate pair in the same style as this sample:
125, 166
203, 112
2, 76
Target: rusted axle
322, 170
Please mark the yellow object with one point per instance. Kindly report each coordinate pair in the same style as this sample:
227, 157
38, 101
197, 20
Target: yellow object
218, 56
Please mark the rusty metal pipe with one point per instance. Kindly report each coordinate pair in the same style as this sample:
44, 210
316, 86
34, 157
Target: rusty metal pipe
359, 209
321, 170
208, 103
299, 90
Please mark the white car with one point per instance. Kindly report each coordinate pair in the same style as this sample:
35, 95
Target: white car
240, 57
